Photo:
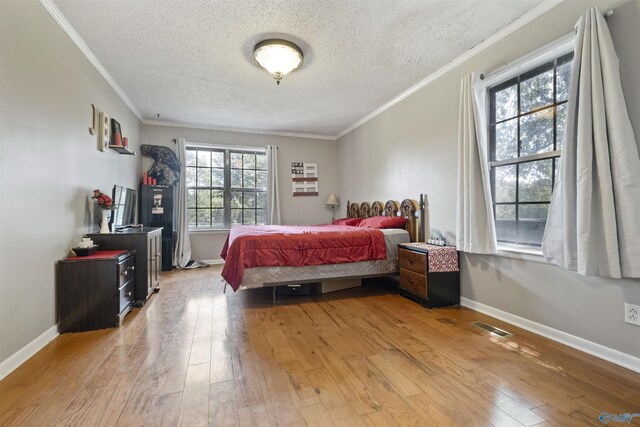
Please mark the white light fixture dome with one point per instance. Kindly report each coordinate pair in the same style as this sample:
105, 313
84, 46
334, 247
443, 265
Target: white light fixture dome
277, 56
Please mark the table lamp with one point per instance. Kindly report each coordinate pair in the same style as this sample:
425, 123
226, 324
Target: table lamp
332, 201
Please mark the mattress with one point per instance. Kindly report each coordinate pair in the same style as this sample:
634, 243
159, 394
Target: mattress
258, 277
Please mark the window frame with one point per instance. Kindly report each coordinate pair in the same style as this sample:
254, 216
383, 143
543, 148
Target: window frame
508, 75
226, 188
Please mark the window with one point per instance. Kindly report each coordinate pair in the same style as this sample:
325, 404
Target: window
527, 124
225, 187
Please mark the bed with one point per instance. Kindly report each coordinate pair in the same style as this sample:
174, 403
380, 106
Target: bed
270, 256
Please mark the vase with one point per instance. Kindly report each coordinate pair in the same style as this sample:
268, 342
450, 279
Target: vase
104, 224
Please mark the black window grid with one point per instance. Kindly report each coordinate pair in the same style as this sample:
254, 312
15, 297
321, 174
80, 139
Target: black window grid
254, 212
519, 160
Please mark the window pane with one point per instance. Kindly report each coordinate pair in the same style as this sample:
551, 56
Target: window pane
563, 73
506, 140
236, 199
249, 200
261, 200
506, 223
192, 217
531, 222
561, 125
536, 132
261, 161
249, 216
248, 179
236, 160
204, 177
217, 199
191, 198
236, 178
249, 161
204, 158
505, 183
236, 216
204, 218
536, 92
261, 179
506, 103
217, 159
217, 218
204, 198
217, 177
535, 181
190, 158
261, 217
191, 177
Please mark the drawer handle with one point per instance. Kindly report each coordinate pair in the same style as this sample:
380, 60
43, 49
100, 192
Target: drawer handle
133, 267
129, 294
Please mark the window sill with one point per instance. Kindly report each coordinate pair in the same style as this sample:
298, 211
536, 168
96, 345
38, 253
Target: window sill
209, 231
521, 253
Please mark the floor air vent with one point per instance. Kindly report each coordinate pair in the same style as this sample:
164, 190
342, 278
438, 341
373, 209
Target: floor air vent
491, 329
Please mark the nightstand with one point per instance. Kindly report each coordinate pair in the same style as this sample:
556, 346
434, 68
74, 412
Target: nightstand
429, 274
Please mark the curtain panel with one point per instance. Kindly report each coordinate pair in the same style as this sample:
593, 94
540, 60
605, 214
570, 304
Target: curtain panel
182, 253
593, 226
273, 192
475, 226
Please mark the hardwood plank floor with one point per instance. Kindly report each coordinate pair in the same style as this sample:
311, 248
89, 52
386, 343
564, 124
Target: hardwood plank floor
363, 357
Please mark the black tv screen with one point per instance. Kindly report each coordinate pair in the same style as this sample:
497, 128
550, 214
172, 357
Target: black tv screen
125, 203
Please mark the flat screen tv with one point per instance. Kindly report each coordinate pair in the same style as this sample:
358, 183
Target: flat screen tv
125, 203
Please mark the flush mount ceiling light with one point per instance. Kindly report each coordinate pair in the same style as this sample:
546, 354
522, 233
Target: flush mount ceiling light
279, 57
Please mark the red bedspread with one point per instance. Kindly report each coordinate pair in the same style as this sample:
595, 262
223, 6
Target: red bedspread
295, 246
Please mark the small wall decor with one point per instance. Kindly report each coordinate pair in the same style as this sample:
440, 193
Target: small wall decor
104, 137
304, 179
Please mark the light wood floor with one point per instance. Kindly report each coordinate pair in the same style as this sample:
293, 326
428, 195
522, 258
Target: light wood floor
194, 356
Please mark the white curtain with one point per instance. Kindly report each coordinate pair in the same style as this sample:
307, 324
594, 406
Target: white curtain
475, 228
273, 193
593, 226
182, 254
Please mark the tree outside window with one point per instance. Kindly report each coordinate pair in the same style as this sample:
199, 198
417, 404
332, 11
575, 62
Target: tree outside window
527, 127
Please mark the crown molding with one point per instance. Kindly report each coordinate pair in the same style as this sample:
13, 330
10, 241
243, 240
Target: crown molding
75, 37
236, 130
494, 38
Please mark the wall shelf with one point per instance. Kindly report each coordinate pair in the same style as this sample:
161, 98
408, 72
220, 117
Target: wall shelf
122, 150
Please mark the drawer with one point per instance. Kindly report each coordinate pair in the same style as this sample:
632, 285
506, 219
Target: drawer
414, 261
413, 282
125, 295
125, 270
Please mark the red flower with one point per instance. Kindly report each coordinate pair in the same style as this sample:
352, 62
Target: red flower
104, 201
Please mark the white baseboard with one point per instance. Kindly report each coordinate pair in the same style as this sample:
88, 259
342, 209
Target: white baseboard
213, 261
19, 357
610, 355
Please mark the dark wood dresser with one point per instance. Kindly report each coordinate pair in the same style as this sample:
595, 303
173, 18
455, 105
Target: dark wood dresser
434, 283
147, 242
96, 291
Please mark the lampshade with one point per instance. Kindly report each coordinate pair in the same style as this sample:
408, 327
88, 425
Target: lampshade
279, 57
332, 200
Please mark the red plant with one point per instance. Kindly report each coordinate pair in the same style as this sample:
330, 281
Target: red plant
104, 201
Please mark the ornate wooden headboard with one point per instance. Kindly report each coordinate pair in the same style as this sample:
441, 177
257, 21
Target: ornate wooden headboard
407, 209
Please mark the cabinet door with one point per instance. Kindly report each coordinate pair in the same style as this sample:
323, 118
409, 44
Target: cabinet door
158, 269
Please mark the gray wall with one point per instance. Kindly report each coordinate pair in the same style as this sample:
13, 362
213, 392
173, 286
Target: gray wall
412, 148
49, 164
294, 210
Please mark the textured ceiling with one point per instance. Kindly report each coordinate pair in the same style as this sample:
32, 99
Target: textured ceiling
191, 60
